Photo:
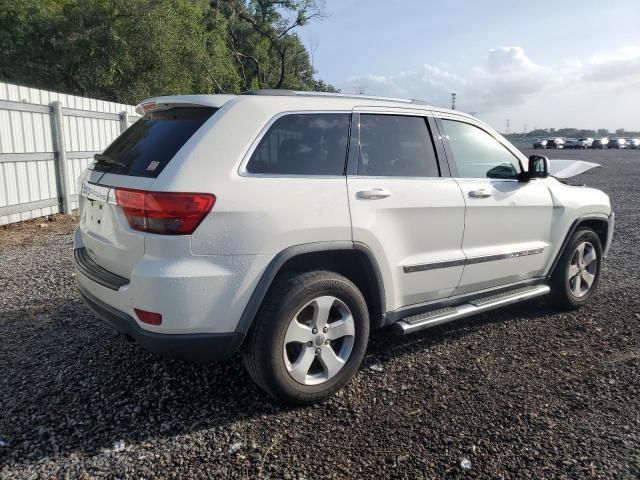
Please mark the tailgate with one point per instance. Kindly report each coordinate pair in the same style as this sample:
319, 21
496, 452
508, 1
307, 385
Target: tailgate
104, 229
133, 161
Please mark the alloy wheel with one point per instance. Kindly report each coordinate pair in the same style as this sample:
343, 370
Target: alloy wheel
582, 269
318, 340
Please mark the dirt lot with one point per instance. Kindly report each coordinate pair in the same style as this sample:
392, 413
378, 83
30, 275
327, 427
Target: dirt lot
525, 392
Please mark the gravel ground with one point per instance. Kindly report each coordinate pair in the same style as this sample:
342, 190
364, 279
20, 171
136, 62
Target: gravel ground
524, 392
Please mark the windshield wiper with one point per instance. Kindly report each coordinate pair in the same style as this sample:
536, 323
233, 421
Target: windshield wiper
102, 158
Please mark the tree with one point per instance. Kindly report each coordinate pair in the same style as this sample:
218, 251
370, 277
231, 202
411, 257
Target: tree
127, 50
262, 39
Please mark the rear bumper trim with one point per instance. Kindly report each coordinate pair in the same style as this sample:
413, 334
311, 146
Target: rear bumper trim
95, 272
198, 347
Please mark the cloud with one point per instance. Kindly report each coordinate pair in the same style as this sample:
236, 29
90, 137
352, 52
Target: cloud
619, 69
507, 78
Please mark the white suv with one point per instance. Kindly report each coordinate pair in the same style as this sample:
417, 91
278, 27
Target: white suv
287, 225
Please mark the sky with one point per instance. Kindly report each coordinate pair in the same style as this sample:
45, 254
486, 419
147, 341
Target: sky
539, 64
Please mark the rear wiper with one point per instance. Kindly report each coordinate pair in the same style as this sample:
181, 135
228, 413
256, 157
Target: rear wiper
102, 158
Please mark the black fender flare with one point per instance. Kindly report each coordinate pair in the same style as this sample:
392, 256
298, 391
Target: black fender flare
574, 226
274, 267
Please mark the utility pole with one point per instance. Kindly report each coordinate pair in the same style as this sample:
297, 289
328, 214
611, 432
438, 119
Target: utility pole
453, 101
508, 129
525, 128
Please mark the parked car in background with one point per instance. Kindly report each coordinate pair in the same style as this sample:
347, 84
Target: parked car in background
619, 143
540, 143
314, 224
556, 142
586, 142
578, 142
600, 143
633, 143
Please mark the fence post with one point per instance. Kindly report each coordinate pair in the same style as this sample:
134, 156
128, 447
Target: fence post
124, 121
61, 157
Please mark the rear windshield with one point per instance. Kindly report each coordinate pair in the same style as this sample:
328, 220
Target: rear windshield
147, 146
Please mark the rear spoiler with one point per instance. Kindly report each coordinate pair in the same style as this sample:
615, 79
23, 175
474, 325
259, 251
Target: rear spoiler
164, 103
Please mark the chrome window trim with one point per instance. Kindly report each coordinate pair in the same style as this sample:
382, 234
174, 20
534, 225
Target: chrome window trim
394, 177
242, 169
420, 267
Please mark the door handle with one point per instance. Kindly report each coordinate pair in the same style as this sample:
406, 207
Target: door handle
373, 194
480, 193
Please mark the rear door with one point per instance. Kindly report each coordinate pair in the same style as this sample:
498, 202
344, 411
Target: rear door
133, 161
507, 234
404, 207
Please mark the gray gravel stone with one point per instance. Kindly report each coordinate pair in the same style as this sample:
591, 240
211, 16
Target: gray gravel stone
523, 392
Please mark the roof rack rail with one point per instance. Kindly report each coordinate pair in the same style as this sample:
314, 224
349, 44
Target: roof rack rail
298, 93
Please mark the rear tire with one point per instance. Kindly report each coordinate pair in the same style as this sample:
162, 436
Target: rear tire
309, 337
577, 273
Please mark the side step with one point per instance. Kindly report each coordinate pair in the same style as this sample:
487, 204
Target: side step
443, 315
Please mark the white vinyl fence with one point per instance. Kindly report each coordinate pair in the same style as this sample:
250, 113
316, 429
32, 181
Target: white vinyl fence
46, 141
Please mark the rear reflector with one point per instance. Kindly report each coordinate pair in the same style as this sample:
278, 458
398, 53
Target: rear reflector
149, 317
164, 213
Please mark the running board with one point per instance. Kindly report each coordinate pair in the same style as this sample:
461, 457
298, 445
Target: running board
443, 315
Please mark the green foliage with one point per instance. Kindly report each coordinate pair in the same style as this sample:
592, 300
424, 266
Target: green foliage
262, 39
126, 50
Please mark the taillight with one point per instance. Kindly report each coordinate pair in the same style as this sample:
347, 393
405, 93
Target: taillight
164, 213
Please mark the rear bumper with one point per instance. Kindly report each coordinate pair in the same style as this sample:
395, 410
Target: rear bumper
196, 294
198, 347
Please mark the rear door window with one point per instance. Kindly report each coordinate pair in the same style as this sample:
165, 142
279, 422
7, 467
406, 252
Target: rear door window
303, 144
147, 146
396, 146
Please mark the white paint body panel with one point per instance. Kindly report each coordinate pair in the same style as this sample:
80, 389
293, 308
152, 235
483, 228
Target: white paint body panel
516, 217
421, 222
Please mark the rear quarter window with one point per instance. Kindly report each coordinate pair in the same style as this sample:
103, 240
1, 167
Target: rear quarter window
303, 144
147, 146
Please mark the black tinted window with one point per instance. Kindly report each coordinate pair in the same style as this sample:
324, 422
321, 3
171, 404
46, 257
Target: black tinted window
148, 145
303, 144
393, 145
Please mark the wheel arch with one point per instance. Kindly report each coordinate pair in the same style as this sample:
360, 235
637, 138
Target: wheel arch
354, 260
599, 224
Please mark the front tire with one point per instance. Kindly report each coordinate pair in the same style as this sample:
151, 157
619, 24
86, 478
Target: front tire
577, 274
309, 337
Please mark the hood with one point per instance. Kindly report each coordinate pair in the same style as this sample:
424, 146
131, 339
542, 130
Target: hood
569, 168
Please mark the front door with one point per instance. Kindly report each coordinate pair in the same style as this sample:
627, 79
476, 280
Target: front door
507, 222
410, 216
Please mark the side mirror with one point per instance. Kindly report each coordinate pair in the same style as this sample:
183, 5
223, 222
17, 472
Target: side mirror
538, 167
